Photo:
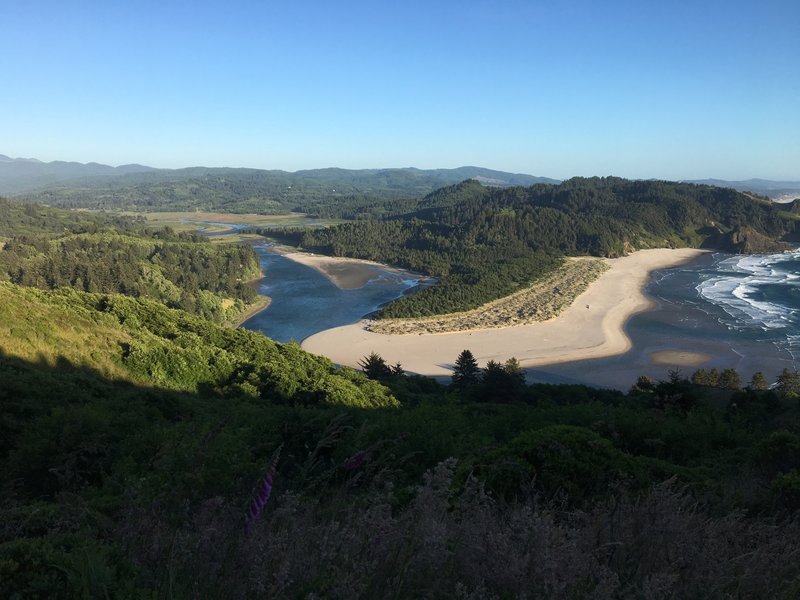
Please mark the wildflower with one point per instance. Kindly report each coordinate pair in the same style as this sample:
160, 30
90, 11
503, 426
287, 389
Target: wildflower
355, 461
262, 493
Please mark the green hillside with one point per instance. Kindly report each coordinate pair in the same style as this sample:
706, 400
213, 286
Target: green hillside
135, 438
484, 243
144, 342
49, 248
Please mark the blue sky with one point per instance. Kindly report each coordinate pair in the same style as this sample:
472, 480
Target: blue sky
646, 88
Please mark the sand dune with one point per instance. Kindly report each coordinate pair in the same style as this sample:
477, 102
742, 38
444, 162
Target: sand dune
592, 327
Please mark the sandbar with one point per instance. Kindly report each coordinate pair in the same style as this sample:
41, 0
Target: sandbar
592, 327
346, 273
679, 358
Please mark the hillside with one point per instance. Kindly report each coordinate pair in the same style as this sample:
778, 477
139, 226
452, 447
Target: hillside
145, 452
51, 248
484, 243
776, 190
325, 192
143, 342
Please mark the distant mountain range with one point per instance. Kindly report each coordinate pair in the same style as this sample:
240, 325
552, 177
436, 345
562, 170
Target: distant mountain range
139, 187
777, 190
24, 175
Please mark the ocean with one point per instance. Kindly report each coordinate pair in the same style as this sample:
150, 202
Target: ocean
757, 297
737, 311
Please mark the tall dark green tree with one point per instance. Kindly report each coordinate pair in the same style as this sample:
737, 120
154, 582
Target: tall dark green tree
729, 379
374, 366
502, 382
465, 370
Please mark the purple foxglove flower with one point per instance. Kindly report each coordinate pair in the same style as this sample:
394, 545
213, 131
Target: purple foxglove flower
262, 492
355, 461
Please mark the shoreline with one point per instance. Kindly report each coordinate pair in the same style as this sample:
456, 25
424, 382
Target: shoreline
255, 308
591, 327
537, 303
345, 273
263, 301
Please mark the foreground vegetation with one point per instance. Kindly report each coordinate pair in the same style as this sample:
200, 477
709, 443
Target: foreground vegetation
134, 438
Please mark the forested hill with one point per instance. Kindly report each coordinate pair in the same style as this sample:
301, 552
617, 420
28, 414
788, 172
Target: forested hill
487, 242
322, 192
141, 341
50, 248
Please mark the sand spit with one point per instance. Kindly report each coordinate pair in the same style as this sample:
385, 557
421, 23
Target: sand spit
346, 273
591, 327
540, 302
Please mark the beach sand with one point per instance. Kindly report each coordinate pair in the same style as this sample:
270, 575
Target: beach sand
345, 273
679, 358
592, 327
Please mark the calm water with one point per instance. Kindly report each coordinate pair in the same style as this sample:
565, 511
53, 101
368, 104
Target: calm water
305, 302
743, 311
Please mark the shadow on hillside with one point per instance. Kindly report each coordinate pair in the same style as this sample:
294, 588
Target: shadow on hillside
43, 384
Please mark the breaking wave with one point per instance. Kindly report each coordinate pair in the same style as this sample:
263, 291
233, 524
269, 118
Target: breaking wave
758, 292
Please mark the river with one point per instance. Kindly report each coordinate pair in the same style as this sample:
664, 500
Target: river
305, 302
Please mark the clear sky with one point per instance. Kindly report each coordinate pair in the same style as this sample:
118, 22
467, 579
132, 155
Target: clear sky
674, 89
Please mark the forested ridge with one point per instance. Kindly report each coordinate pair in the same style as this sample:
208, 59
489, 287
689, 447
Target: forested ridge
337, 193
484, 243
50, 248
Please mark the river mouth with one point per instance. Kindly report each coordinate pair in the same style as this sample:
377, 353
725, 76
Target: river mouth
304, 301
686, 331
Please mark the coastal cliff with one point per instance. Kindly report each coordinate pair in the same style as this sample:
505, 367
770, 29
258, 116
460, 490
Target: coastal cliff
746, 240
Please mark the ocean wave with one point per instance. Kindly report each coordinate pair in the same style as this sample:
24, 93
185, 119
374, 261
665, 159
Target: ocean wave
755, 291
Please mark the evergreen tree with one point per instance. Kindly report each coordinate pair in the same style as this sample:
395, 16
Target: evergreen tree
643, 384
374, 366
514, 371
465, 370
729, 379
502, 382
700, 377
759, 382
789, 384
397, 370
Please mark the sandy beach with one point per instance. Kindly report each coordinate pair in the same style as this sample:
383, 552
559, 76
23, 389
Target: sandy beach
592, 327
345, 273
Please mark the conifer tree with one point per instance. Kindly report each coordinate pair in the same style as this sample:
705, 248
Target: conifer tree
759, 382
374, 366
465, 370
